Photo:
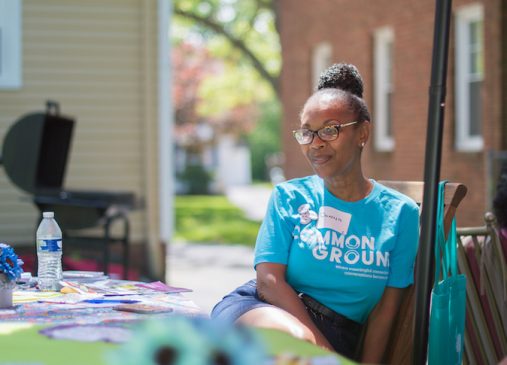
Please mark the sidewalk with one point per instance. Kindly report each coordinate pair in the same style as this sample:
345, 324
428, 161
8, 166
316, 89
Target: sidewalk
210, 270
213, 270
252, 199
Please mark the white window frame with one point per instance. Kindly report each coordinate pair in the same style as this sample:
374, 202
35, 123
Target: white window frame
321, 59
464, 16
10, 44
383, 86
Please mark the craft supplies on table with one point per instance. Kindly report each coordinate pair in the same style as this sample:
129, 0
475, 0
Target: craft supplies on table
92, 301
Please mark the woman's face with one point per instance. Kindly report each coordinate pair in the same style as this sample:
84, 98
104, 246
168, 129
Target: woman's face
338, 158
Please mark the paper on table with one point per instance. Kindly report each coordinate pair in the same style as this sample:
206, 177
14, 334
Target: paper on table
33, 296
114, 287
75, 287
121, 287
164, 288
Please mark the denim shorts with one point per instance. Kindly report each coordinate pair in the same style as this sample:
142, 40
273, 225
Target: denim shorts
238, 302
343, 338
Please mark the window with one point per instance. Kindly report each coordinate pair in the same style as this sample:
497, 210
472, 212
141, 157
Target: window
10, 44
383, 89
469, 78
321, 59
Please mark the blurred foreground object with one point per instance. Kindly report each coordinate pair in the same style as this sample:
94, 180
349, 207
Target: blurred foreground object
182, 340
10, 271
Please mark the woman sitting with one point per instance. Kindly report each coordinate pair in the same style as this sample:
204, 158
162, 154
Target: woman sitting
335, 249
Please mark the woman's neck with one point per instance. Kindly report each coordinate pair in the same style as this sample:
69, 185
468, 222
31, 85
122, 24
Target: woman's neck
349, 189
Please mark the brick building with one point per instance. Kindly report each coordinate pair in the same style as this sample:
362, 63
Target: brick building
390, 41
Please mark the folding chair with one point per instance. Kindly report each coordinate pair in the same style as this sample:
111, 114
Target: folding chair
480, 257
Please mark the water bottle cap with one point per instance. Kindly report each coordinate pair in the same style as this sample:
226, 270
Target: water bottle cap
48, 215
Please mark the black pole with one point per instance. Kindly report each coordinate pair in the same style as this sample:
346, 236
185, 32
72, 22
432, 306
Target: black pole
425, 261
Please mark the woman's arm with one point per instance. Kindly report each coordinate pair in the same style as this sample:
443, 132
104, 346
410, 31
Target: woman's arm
274, 289
380, 322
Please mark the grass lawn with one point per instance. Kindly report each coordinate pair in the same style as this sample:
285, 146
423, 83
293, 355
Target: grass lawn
212, 218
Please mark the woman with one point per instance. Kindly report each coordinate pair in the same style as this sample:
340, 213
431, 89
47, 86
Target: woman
335, 248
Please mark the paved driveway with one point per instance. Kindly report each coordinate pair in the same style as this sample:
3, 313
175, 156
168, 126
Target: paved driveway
210, 270
213, 270
252, 199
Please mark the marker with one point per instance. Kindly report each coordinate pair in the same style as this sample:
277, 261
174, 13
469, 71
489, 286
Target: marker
113, 301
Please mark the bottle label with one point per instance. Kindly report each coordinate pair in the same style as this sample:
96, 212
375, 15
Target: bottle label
50, 245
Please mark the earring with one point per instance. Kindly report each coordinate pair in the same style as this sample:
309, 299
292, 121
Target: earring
362, 144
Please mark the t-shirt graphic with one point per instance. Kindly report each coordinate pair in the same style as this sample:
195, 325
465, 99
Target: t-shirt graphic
306, 232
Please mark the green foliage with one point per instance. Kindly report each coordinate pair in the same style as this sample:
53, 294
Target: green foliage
196, 178
206, 218
241, 32
236, 86
265, 139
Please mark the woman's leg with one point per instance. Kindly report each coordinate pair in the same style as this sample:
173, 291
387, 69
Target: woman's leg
244, 306
276, 318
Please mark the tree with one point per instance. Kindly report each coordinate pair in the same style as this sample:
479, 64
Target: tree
199, 97
248, 26
191, 66
242, 94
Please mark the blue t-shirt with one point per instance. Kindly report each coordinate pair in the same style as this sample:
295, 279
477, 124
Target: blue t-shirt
341, 253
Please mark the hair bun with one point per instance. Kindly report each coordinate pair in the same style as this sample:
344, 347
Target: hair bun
343, 76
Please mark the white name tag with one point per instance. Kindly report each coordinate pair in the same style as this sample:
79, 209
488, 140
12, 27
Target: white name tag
334, 219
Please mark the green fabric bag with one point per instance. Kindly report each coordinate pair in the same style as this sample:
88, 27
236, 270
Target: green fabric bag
448, 297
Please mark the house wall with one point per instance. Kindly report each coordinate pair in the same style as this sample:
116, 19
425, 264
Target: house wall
98, 59
348, 26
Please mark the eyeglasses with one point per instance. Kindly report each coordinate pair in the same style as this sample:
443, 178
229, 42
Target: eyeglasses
327, 133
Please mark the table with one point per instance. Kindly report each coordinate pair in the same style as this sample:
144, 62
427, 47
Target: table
97, 301
27, 332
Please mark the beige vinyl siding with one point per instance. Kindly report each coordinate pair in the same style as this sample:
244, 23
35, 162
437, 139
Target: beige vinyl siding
90, 57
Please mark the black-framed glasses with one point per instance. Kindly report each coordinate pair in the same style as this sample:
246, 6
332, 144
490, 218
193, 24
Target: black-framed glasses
327, 133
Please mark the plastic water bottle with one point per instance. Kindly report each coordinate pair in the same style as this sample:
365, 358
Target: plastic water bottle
49, 253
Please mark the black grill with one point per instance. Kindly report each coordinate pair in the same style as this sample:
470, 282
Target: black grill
34, 154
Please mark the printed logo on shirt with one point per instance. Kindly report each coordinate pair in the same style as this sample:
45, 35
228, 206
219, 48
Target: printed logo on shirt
334, 219
354, 255
307, 232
